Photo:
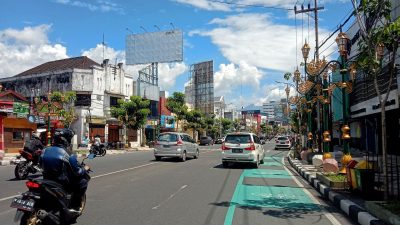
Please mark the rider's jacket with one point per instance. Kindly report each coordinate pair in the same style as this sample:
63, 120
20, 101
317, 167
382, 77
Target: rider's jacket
59, 166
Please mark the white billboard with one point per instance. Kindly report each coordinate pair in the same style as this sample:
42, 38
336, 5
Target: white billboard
162, 46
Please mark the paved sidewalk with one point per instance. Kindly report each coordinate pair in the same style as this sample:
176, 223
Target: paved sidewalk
9, 157
351, 207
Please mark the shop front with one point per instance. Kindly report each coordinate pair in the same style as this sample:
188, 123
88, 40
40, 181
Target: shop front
16, 132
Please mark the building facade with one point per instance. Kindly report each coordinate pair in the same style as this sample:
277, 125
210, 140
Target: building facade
98, 87
365, 117
219, 107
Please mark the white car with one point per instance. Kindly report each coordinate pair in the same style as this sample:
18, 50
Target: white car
242, 148
283, 142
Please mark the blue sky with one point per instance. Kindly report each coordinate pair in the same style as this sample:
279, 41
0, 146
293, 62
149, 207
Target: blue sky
252, 47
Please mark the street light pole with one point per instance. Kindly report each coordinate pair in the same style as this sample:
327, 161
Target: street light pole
48, 119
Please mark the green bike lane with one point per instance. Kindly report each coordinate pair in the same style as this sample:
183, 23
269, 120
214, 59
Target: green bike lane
271, 195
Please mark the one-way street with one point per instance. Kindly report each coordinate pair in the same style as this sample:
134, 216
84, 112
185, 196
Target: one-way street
133, 188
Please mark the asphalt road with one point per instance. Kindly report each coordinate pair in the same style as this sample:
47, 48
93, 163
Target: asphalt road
132, 188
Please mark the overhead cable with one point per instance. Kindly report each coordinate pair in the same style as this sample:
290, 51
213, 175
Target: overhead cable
249, 5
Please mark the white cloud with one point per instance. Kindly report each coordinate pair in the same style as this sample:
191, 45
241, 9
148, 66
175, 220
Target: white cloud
96, 54
236, 4
168, 73
257, 39
269, 92
23, 49
102, 6
231, 76
207, 5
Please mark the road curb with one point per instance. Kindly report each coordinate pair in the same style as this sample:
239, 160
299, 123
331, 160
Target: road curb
354, 211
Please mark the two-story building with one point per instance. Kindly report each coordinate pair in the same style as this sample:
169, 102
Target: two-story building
98, 87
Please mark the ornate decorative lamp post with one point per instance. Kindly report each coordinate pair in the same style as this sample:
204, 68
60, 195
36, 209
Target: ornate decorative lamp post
342, 41
305, 50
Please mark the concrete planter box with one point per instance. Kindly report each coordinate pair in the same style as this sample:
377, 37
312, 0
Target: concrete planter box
382, 213
332, 184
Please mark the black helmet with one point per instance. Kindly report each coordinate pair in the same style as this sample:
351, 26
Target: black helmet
62, 137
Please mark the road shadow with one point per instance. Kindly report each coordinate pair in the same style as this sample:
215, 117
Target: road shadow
239, 166
171, 160
279, 208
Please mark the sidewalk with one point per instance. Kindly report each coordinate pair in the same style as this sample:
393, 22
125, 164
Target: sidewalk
81, 152
350, 205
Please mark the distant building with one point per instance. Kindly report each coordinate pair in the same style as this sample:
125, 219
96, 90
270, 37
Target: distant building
251, 118
219, 107
269, 110
199, 91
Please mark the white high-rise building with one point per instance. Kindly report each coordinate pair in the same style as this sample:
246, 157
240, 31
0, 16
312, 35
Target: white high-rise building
269, 109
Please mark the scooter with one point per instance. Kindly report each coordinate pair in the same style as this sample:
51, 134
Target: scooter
47, 203
25, 164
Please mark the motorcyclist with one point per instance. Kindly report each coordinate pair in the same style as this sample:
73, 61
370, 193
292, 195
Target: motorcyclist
32, 146
60, 165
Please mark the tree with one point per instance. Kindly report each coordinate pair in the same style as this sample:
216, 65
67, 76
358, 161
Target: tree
66, 108
236, 124
193, 120
263, 127
226, 125
294, 122
378, 31
176, 104
133, 113
208, 124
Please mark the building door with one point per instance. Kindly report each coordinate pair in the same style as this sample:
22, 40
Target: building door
96, 130
113, 133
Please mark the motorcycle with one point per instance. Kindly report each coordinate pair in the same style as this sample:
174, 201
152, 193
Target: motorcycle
47, 203
26, 163
98, 150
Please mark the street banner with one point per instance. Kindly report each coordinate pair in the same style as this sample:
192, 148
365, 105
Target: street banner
21, 109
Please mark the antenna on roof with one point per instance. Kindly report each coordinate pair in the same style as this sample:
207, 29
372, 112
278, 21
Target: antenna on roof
143, 29
104, 44
172, 25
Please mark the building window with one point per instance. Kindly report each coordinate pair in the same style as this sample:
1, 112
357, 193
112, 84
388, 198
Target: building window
83, 100
18, 135
114, 101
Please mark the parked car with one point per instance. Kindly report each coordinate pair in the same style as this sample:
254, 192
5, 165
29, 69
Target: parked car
219, 140
283, 142
206, 141
242, 147
178, 145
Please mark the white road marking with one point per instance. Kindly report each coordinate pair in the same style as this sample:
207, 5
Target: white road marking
119, 171
328, 215
7, 198
170, 197
94, 177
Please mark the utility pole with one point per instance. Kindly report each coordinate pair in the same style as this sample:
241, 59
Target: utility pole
316, 56
315, 10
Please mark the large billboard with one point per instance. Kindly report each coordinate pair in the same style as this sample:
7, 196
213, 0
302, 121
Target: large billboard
162, 46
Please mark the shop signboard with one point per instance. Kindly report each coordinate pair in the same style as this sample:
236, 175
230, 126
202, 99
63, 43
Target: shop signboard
21, 109
36, 119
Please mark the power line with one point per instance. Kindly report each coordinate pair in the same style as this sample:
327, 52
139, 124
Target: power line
339, 27
249, 5
347, 14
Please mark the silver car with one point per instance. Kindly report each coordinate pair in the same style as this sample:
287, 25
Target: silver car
177, 145
242, 148
282, 142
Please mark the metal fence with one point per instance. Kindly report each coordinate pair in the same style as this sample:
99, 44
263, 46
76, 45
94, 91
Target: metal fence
393, 173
